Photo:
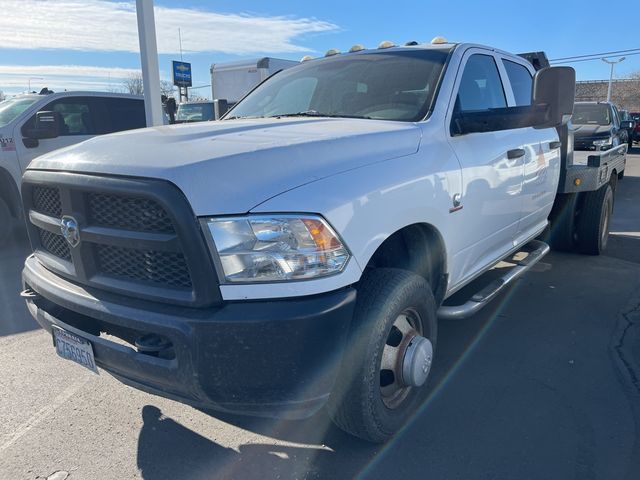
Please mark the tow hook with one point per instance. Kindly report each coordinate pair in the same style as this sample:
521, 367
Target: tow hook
29, 294
152, 344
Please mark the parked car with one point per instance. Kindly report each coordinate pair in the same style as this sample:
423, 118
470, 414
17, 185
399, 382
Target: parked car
298, 252
629, 124
597, 126
32, 124
636, 130
195, 111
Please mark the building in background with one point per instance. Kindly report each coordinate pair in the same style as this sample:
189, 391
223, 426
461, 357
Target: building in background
624, 93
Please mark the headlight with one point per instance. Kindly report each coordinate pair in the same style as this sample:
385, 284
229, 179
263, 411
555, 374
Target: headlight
603, 142
276, 248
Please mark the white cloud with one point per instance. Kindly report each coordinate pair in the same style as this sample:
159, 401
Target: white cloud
99, 25
67, 70
16, 78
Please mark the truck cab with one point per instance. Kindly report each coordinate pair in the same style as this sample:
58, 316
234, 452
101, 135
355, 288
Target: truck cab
32, 125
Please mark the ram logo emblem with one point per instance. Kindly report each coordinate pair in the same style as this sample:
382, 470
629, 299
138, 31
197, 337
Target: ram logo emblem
70, 230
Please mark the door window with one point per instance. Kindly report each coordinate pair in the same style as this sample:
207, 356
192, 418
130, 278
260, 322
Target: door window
480, 86
76, 115
521, 82
124, 114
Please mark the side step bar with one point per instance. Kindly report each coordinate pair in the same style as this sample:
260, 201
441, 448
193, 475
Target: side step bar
484, 296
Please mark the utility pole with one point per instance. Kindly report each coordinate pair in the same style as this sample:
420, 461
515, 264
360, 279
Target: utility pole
149, 62
612, 63
180, 42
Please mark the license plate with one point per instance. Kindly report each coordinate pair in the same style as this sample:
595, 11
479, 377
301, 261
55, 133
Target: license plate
72, 347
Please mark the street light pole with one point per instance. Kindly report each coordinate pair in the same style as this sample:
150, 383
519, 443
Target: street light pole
149, 62
612, 63
29, 82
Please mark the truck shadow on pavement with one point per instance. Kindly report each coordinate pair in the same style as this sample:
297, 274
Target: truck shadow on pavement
168, 450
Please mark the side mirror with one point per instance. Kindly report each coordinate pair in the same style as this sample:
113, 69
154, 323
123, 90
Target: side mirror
554, 91
47, 126
626, 124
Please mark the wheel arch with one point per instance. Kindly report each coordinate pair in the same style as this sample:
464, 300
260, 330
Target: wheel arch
9, 193
418, 248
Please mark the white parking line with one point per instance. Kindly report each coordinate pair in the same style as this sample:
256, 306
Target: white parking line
42, 414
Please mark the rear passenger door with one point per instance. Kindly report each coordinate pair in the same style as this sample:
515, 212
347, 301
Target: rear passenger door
541, 161
492, 177
123, 114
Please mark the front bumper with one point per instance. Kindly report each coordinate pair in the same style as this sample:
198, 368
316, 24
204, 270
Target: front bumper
268, 358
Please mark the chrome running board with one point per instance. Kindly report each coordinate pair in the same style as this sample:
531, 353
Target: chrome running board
484, 296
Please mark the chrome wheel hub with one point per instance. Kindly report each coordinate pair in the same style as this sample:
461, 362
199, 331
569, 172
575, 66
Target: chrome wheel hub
406, 359
416, 364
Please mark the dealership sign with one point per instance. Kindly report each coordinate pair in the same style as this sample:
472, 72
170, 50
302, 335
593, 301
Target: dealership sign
181, 74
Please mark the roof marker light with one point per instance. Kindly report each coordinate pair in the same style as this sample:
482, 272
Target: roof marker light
387, 44
412, 43
356, 48
306, 58
438, 40
331, 52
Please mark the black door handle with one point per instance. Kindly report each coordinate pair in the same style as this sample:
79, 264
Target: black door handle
515, 153
554, 145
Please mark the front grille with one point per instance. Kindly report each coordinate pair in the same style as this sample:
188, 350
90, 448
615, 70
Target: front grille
54, 244
47, 200
130, 213
138, 237
165, 268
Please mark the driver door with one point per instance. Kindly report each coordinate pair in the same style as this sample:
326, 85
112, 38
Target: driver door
78, 123
492, 168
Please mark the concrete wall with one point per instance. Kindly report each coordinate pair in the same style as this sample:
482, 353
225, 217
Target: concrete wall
624, 93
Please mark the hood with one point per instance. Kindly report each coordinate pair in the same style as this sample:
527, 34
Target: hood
584, 131
229, 167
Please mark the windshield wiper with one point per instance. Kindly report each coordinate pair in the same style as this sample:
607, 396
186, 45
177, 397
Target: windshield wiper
241, 117
315, 113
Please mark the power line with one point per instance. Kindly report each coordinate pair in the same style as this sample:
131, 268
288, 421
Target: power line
595, 55
590, 59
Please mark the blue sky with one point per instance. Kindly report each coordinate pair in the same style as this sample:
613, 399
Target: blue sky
52, 39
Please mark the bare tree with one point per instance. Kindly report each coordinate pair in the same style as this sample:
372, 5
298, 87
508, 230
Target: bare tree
166, 88
133, 84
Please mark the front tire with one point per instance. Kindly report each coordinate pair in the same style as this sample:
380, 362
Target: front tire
395, 310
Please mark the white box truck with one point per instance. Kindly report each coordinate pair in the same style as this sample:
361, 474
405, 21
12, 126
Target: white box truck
231, 81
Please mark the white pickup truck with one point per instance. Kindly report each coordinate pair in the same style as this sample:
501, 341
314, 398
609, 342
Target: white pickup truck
74, 117
297, 253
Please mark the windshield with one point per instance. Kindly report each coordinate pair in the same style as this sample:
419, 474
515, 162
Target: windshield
10, 109
591, 114
397, 85
195, 112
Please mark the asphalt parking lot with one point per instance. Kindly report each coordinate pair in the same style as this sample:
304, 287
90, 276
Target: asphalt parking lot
544, 383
